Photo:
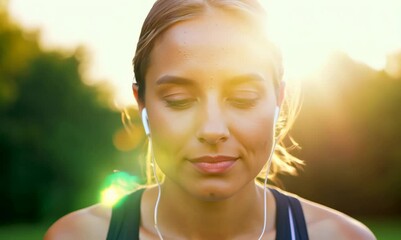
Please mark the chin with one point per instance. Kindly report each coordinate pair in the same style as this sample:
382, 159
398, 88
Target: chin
214, 196
213, 191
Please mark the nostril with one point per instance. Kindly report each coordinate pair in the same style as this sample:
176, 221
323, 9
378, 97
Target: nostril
213, 140
223, 139
213, 133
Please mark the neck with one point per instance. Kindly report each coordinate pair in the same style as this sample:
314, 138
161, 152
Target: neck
182, 215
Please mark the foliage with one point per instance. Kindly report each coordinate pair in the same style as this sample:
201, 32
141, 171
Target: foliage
350, 132
385, 228
55, 134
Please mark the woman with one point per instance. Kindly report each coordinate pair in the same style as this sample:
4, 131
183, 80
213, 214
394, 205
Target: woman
210, 91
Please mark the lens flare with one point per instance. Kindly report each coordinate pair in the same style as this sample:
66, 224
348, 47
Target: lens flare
116, 186
110, 196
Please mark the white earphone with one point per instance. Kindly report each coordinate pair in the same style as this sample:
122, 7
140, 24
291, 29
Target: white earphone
276, 114
145, 122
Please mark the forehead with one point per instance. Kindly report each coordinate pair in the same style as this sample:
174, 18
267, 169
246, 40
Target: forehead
216, 27
217, 41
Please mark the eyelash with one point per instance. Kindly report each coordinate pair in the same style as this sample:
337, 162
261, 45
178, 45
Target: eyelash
180, 104
243, 103
240, 102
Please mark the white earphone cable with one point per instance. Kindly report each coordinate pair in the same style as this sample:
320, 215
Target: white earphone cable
155, 213
269, 161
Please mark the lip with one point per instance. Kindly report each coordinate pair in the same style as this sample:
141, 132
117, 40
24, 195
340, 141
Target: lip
213, 164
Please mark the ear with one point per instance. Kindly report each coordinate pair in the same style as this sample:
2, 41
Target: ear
281, 93
136, 95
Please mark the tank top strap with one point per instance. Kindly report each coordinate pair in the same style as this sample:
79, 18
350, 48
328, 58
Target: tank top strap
290, 220
298, 214
126, 217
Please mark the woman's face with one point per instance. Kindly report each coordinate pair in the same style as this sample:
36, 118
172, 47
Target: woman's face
210, 99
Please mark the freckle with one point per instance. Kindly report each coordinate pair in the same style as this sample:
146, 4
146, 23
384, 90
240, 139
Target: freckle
211, 194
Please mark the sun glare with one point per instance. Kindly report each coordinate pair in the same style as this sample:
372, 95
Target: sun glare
307, 31
110, 196
117, 186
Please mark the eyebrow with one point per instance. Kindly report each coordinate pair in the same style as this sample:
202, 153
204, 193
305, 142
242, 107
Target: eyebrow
247, 78
168, 79
236, 80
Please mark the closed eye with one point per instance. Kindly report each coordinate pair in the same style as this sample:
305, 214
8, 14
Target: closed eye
180, 104
243, 99
243, 103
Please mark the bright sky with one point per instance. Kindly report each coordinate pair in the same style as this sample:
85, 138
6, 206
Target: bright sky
307, 31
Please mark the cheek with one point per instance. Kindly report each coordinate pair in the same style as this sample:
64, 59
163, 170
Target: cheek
170, 130
255, 133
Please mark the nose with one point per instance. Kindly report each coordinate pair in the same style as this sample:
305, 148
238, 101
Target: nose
213, 128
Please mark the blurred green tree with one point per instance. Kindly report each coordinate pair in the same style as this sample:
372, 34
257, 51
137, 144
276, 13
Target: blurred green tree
56, 132
350, 132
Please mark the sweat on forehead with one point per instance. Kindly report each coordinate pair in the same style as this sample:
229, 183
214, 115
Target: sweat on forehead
167, 13
210, 42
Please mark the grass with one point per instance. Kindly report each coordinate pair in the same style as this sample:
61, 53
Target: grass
384, 229
23, 231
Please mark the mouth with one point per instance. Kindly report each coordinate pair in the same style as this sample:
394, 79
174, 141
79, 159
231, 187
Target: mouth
213, 164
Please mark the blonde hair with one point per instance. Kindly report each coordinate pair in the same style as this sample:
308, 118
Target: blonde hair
166, 13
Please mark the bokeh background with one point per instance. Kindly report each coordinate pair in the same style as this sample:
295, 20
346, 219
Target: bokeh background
65, 79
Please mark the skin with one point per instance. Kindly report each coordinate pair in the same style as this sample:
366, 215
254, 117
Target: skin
206, 96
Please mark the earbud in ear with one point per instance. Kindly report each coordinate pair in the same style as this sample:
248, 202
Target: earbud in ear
145, 121
276, 114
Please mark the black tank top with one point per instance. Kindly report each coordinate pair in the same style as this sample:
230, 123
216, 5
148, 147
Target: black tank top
126, 215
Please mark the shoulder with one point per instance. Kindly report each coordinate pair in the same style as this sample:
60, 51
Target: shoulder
88, 223
327, 223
